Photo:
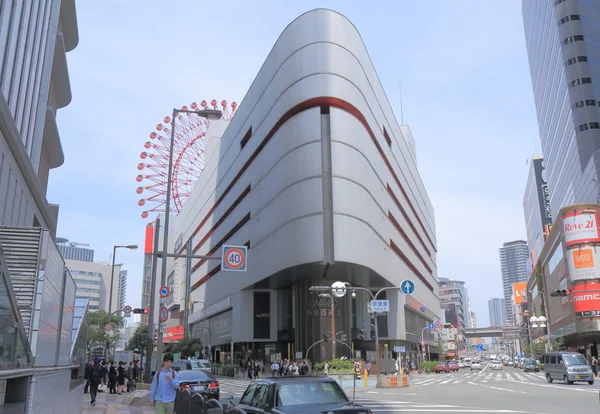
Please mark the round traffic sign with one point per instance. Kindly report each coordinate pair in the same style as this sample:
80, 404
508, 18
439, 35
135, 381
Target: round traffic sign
164, 291
235, 258
108, 327
438, 326
127, 309
164, 314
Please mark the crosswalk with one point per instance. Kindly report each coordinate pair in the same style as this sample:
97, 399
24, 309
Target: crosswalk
383, 406
475, 377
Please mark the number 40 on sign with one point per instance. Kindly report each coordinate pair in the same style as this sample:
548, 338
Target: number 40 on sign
234, 258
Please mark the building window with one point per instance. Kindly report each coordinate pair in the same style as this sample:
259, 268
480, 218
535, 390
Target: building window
578, 59
580, 81
582, 104
574, 38
567, 19
586, 126
557, 2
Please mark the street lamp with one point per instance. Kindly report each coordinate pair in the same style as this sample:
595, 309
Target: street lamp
112, 280
211, 114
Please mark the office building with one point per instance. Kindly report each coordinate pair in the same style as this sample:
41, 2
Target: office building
473, 320
74, 250
513, 265
561, 39
34, 84
297, 177
497, 310
454, 299
536, 207
93, 283
569, 260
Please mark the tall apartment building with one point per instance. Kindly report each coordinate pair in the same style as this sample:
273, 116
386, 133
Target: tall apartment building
454, 299
497, 311
513, 265
562, 40
34, 83
122, 290
536, 207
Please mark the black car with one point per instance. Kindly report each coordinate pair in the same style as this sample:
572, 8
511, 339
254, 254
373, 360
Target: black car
199, 382
531, 365
297, 395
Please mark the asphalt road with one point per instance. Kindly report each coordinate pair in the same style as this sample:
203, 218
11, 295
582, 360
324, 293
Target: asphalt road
486, 391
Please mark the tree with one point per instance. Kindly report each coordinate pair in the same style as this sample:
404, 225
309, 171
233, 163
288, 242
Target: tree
96, 335
189, 347
139, 338
440, 344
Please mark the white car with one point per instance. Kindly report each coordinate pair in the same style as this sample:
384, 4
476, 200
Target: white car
475, 365
461, 364
496, 365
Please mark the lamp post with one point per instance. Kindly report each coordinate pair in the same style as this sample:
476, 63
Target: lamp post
423, 342
338, 287
205, 113
112, 281
536, 322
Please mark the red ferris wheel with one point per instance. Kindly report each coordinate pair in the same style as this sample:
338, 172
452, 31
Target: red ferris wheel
188, 158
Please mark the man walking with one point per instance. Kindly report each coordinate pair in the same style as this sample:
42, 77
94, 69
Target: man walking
95, 379
164, 384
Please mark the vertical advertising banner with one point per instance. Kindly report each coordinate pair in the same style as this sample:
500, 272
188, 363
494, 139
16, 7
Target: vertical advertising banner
543, 192
580, 226
586, 298
584, 263
519, 292
262, 315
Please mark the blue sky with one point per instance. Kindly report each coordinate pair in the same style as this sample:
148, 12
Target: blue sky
465, 85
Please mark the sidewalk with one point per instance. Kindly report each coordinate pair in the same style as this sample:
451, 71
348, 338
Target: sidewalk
111, 404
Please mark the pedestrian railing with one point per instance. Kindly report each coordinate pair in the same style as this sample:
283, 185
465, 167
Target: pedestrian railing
188, 403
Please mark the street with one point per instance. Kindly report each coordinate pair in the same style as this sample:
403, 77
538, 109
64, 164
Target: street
486, 391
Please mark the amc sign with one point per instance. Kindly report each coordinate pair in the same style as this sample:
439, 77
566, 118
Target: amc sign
586, 298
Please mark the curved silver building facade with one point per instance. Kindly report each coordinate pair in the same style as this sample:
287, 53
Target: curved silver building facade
316, 177
563, 44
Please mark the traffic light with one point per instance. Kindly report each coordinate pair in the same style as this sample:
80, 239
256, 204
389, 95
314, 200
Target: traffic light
325, 338
561, 292
448, 325
140, 310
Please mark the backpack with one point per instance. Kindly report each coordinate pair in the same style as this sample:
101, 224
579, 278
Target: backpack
161, 370
97, 374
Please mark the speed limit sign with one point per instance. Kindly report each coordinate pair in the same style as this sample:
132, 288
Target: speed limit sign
234, 258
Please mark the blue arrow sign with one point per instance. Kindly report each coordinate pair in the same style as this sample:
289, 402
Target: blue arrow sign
431, 326
407, 287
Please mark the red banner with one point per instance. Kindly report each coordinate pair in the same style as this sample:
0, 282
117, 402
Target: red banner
173, 334
149, 242
586, 298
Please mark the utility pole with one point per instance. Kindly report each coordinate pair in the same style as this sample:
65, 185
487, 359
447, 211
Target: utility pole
150, 340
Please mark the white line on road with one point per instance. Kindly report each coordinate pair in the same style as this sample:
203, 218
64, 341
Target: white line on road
486, 367
496, 388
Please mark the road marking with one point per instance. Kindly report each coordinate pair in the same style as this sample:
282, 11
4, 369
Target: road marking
508, 376
486, 367
496, 388
372, 392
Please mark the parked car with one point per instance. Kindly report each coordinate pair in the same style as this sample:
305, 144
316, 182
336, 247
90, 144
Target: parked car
297, 394
199, 382
441, 367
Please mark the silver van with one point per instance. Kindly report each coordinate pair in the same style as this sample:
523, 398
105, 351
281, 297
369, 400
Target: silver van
567, 366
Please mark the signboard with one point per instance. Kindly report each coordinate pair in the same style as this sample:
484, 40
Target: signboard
519, 292
438, 326
380, 306
127, 309
431, 327
233, 258
586, 298
580, 226
164, 291
173, 334
164, 314
399, 349
108, 327
584, 263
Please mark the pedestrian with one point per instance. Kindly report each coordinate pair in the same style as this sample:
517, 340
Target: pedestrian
95, 379
121, 378
595, 366
112, 378
164, 384
87, 375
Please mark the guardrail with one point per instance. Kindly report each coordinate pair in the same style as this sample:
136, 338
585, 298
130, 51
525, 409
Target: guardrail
188, 403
